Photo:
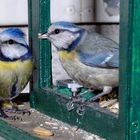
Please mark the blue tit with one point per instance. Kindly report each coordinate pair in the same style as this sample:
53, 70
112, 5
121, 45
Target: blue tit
89, 58
15, 63
113, 7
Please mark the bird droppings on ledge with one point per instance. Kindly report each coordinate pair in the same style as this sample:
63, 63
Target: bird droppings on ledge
48, 128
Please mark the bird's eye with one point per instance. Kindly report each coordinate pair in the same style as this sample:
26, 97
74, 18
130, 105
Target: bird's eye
56, 31
11, 42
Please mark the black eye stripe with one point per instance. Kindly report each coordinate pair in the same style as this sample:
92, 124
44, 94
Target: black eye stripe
11, 41
57, 31
62, 30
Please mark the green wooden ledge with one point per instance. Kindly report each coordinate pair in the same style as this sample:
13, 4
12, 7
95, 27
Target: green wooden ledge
9, 132
95, 120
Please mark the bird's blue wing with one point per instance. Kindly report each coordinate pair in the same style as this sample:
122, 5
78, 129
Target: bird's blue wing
102, 59
98, 51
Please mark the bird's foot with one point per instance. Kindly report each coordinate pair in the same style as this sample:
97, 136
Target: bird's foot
5, 116
106, 90
81, 109
75, 99
11, 107
17, 111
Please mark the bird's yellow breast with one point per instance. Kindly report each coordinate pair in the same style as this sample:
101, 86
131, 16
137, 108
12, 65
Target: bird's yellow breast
11, 73
67, 55
14, 64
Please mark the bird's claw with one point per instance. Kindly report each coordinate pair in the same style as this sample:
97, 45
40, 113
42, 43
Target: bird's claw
5, 116
80, 110
82, 103
14, 118
70, 106
18, 111
23, 112
27, 112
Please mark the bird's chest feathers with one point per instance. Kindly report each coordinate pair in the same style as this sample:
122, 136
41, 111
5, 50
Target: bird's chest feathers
15, 66
67, 55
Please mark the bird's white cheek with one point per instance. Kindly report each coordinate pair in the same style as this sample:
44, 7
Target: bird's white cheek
13, 51
60, 44
63, 40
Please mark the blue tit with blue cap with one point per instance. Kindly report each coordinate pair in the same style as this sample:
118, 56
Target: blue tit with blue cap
15, 64
89, 58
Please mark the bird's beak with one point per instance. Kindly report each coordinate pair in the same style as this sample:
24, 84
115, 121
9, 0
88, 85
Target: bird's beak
43, 35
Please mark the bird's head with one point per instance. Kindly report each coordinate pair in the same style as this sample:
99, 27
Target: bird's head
64, 35
12, 44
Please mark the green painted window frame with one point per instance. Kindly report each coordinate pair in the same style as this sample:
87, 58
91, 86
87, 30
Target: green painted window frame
126, 126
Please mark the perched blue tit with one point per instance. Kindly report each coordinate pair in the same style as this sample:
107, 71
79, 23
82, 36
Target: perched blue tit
89, 58
15, 64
